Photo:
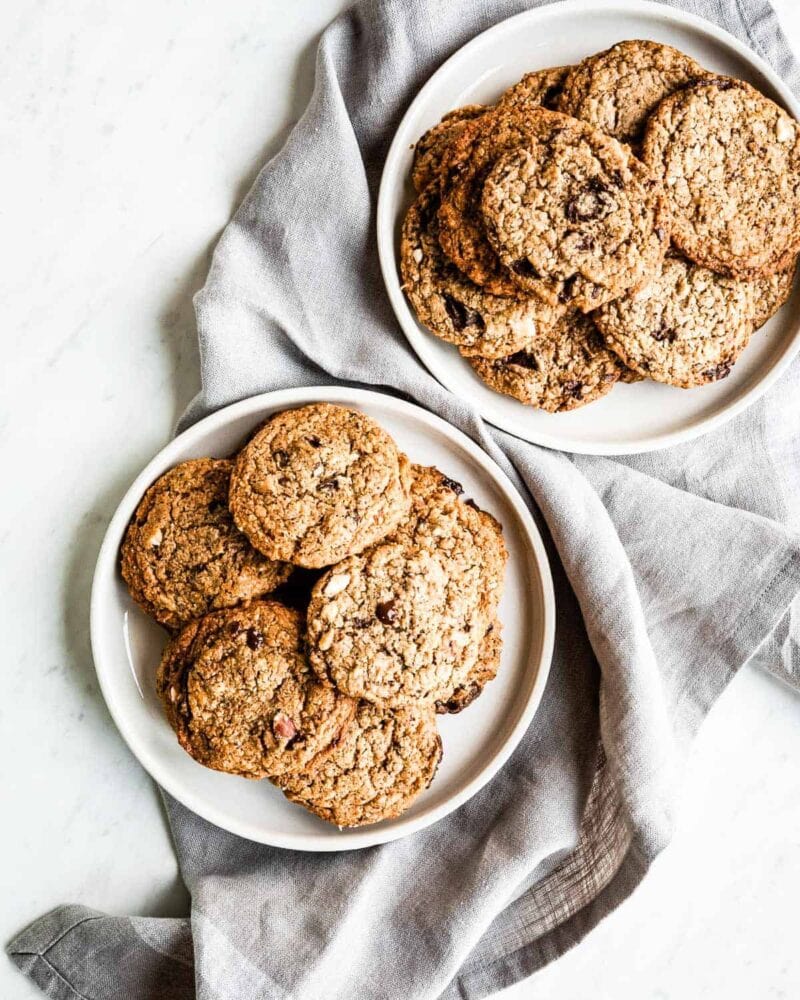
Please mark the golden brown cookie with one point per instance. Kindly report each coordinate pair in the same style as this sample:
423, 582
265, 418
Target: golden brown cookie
403, 623
451, 306
542, 88
771, 292
686, 327
382, 763
430, 149
568, 367
574, 216
729, 159
617, 89
240, 696
484, 670
182, 555
317, 484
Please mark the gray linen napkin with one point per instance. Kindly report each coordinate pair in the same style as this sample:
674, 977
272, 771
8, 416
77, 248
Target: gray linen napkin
671, 570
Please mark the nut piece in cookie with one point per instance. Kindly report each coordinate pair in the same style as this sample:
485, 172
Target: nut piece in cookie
451, 306
403, 623
183, 556
567, 368
317, 484
484, 670
686, 327
729, 159
617, 89
382, 763
431, 148
574, 216
240, 696
542, 88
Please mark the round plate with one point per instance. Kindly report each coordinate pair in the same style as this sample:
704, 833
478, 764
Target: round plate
127, 644
632, 418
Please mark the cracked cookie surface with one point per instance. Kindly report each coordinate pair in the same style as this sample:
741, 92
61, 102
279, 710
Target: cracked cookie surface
431, 148
540, 88
686, 327
483, 670
381, 764
771, 292
317, 484
729, 159
241, 697
567, 367
574, 216
404, 622
618, 89
454, 308
183, 556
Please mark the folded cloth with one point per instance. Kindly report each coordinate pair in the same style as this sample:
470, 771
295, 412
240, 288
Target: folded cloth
671, 570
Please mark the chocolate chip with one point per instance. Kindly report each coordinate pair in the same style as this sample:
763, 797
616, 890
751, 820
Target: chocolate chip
589, 203
524, 268
330, 485
471, 503
573, 388
551, 94
255, 639
386, 612
462, 316
234, 629
281, 458
722, 370
453, 484
522, 359
314, 441
215, 506
667, 333
569, 291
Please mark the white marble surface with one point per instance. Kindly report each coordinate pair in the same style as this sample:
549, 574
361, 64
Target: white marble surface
129, 133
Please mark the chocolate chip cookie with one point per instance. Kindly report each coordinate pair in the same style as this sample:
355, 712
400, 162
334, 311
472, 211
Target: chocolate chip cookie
430, 149
729, 159
686, 327
183, 556
382, 763
451, 306
317, 484
567, 367
617, 89
240, 696
542, 88
770, 293
484, 670
403, 623
574, 216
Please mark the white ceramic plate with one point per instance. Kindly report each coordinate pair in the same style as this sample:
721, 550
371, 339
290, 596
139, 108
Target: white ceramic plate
127, 645
632, 418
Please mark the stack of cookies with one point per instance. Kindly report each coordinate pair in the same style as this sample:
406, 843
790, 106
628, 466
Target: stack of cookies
630, 217
326, 599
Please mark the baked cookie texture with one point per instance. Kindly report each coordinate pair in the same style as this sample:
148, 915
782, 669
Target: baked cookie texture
430, 148
317, 484
454, 308
381, 764
542, 88
616, 90
729, 160
240, 696
686, 327
183, 556
567, 367
484, 670
771, 292
574, 216
404, 622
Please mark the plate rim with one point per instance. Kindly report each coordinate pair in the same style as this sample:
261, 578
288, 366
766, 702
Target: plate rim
386, 236
359, 837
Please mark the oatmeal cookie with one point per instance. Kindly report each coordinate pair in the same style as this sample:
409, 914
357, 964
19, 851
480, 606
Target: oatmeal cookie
430, 148
183, 556
484, 670
567, 368
240, 696
542, 88
317, 484
382, 763
617, 89
729, 159
575, 216
771, 292
686, 327
451, 306
403, 623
